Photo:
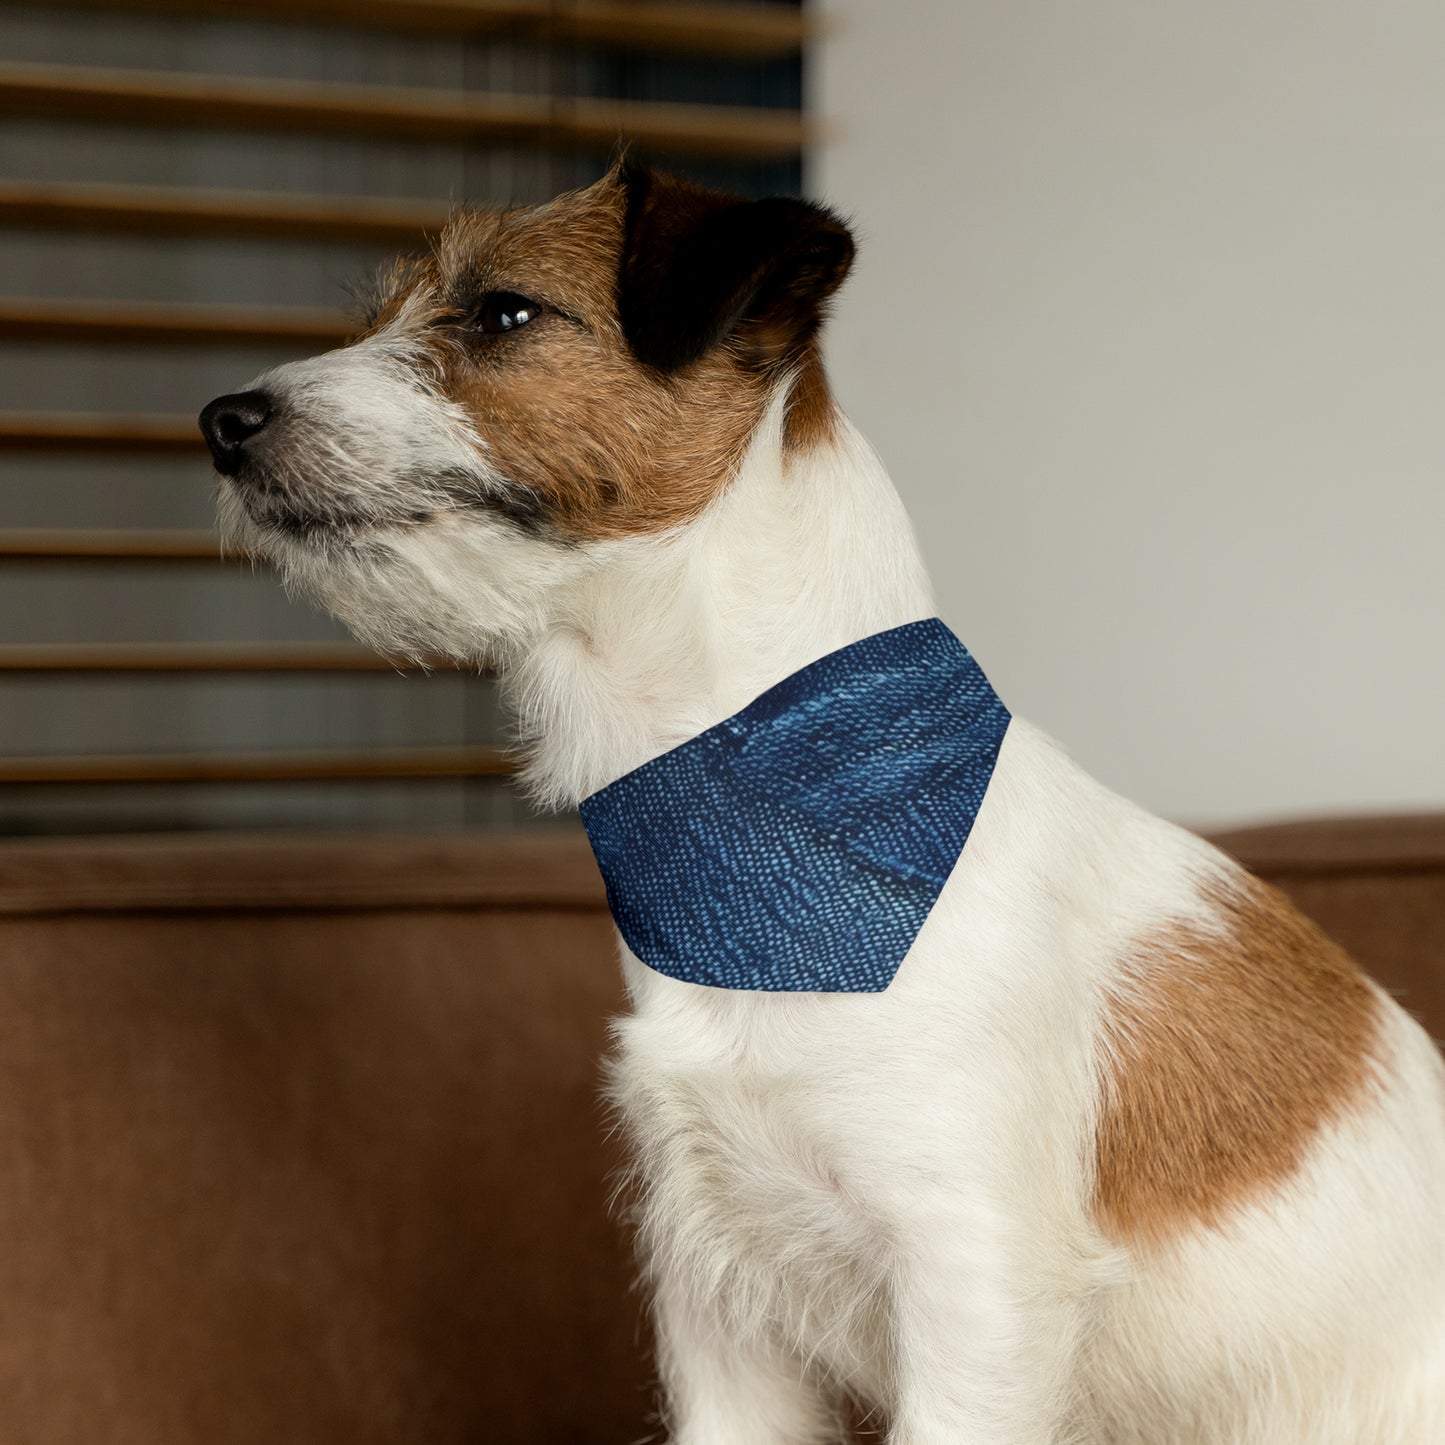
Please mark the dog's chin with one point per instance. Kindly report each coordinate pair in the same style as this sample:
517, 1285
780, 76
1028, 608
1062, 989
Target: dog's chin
338, 562
461, 586
240, 533
267, 511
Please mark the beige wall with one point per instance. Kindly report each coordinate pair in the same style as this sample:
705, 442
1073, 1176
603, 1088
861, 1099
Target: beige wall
1149, 324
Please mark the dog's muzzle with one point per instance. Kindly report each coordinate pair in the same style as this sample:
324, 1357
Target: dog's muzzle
230, 422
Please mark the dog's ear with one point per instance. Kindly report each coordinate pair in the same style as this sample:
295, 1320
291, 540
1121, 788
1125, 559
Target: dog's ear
699, 266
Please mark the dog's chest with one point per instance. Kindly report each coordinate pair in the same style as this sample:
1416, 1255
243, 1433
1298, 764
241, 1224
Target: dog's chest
744, 1185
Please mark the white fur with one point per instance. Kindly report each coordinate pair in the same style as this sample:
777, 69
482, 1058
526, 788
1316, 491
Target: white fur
889, 1194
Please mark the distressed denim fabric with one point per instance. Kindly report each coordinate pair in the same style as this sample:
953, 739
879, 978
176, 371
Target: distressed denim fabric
800, 844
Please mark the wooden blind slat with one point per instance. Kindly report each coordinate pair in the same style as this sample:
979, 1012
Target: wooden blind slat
76, 544
167, 657
259, 767
216, 102
170, 323
709, 29
98, 432
77, 431
174, 210
756, 32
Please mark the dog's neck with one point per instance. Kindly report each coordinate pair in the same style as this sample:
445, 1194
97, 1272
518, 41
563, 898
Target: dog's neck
803, 554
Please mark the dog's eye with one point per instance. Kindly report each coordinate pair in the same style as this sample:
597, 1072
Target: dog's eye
504, 311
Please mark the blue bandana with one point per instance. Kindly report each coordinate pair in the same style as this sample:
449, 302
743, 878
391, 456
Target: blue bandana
800, 844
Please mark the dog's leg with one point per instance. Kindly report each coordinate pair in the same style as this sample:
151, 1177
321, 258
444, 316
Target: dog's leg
983, 1350
721, 1388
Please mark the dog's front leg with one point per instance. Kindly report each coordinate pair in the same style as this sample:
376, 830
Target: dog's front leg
984, 1349
722, 1387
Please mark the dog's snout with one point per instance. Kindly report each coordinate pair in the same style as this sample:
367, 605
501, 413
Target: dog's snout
229, 422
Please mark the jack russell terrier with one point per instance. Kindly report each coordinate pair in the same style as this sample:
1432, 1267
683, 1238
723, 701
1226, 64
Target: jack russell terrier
957, 1086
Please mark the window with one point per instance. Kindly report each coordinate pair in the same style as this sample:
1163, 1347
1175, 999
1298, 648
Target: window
184, 196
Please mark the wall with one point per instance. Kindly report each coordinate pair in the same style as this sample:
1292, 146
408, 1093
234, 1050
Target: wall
1149, 323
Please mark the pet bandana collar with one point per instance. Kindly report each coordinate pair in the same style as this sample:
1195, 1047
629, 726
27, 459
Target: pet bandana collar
800, 844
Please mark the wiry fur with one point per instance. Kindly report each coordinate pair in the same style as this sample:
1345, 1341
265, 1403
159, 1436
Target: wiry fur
895, 1196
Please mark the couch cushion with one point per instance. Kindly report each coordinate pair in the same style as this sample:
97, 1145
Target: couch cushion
302, 1142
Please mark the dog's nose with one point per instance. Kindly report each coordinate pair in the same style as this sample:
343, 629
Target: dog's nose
229, 422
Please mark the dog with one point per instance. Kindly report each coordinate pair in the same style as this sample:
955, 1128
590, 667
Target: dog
1125, 1152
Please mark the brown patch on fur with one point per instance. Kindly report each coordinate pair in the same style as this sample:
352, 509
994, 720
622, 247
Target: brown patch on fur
812, 417
1227, 1052
605, 445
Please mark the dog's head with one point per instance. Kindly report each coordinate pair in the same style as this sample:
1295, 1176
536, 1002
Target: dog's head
548, 384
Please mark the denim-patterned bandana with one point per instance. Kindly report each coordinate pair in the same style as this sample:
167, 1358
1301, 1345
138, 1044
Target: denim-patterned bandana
800, 844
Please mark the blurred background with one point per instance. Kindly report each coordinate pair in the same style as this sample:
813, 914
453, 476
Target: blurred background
187, 191
1149, 324
1146, 323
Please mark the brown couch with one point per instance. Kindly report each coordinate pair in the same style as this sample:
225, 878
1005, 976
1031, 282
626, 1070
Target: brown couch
300, 1139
